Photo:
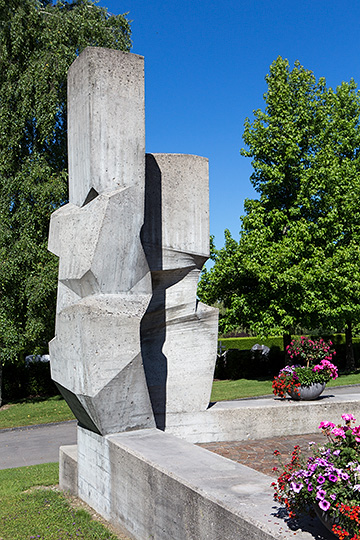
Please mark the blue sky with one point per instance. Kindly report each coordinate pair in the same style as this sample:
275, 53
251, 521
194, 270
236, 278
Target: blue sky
205, 64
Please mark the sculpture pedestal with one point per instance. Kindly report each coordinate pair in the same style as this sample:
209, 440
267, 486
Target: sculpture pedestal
155, 485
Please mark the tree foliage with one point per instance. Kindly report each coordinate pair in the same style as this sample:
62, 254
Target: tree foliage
298, 258
38, 42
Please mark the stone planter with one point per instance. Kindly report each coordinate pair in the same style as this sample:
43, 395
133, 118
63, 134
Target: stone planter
308, 393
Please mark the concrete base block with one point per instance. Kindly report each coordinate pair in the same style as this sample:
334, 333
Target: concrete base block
68, 469
159, 487
261, 418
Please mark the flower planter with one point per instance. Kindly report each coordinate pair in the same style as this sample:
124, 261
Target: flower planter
327, 483
326, 519
308, 393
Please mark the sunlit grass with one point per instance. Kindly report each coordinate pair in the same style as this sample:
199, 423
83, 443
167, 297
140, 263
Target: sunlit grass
45, 514
243, 388
35, 411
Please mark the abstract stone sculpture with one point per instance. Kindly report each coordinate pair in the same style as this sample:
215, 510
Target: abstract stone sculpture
132, 343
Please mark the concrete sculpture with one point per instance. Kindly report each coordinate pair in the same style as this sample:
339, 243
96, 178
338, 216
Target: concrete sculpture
179, 334
132, 343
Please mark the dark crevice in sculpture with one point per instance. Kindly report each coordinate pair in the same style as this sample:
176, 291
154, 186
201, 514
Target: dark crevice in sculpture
90, 196
153, 328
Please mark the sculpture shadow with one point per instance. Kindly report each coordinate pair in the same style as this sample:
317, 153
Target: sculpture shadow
304, 523
153, 328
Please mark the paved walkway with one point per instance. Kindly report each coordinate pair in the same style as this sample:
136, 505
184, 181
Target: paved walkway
40, 444
259, 454
33, 445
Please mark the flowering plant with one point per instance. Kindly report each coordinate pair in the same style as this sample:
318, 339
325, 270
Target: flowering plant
309, 351
329, 481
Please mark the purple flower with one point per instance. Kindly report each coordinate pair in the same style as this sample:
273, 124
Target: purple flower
324, 505
333, 496
296, 487
336, 452
332, 478
320, 479
320, 494
310, 487
344, 475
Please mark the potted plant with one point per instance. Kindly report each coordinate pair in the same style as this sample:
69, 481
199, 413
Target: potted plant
307, 378
328, 482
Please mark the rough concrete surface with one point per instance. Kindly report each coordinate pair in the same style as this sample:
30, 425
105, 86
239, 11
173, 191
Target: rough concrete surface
161, 487
104, 278
179, 334
262, 418
132, 342
68, 469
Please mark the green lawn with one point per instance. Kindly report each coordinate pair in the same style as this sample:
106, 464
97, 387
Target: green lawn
243, 388
55, 409
27, 513
35, 411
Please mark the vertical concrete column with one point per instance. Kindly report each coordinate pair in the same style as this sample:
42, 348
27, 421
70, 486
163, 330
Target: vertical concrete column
104, 279
179, 333
106, 123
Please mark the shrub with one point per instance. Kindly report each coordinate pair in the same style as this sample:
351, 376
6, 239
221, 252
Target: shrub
22, 381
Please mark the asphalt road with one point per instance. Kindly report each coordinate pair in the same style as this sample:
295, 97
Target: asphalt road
32, 445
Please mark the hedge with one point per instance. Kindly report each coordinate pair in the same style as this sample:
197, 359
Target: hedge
241, 362
245, 343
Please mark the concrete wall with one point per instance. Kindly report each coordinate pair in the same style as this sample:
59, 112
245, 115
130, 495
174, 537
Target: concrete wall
261, 418
163, 488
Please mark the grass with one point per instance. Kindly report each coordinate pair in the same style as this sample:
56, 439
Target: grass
35, 411
242, 388
55, 409
28, 513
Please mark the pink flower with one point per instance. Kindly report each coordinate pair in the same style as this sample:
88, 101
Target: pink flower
296, 487
348, 417
338, 432
321, 494
325, 425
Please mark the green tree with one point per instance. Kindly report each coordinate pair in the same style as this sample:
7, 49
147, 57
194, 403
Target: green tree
297, 261
38, 42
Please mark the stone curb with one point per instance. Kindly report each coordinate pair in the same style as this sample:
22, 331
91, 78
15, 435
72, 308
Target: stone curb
33, 426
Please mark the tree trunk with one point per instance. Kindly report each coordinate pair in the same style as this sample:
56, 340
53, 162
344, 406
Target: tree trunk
350, 359
286, 342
